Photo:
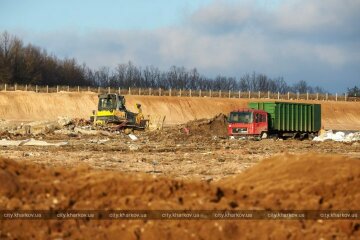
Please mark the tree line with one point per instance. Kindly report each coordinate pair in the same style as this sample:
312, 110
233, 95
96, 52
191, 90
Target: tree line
30, 64
353, 92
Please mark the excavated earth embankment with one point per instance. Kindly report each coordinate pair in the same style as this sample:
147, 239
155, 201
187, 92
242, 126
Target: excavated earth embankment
30, 106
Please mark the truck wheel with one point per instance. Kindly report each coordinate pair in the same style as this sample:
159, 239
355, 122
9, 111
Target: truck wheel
264, 135
296, 136
311, 136
303, 136
275, 136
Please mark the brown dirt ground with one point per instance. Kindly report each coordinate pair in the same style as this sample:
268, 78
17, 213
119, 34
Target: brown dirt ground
200, 152
181, 167
307, 181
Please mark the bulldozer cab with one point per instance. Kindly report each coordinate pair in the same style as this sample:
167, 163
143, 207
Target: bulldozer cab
111, 102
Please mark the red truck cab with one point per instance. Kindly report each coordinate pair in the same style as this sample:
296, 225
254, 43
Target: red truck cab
248, 122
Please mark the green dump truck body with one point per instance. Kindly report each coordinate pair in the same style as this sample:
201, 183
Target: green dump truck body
291, 117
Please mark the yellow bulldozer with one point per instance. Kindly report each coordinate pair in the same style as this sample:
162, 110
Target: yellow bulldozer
112, 113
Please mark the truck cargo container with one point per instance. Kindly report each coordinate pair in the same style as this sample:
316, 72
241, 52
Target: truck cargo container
282, 119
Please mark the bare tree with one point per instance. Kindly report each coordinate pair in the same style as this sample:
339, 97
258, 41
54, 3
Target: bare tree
6, 44
32, 65
300, 87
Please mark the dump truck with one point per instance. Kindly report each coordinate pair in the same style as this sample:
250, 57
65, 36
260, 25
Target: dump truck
278, 119
113, 114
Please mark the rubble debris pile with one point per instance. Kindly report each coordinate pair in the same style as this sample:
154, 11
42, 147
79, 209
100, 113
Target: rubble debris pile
338, 136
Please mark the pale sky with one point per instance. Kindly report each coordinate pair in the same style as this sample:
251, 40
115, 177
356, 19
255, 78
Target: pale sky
313, 40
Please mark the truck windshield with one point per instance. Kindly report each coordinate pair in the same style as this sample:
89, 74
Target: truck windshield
241, 117
107, 104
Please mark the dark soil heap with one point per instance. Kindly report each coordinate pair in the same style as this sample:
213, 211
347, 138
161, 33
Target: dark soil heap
216, 126
197, 130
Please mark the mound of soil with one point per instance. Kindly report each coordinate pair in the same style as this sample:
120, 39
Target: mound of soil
196, 130
299, 182
216, 126
309, 181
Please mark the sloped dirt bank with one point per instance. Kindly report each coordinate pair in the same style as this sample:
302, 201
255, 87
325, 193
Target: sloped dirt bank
30, 106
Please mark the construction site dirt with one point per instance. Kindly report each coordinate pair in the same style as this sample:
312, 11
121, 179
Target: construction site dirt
170, 153
189, 165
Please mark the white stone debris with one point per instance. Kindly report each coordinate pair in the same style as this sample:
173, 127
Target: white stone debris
5, 142
29, 142
33, 142
63, 121
99, 141
338, 137
133, 137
